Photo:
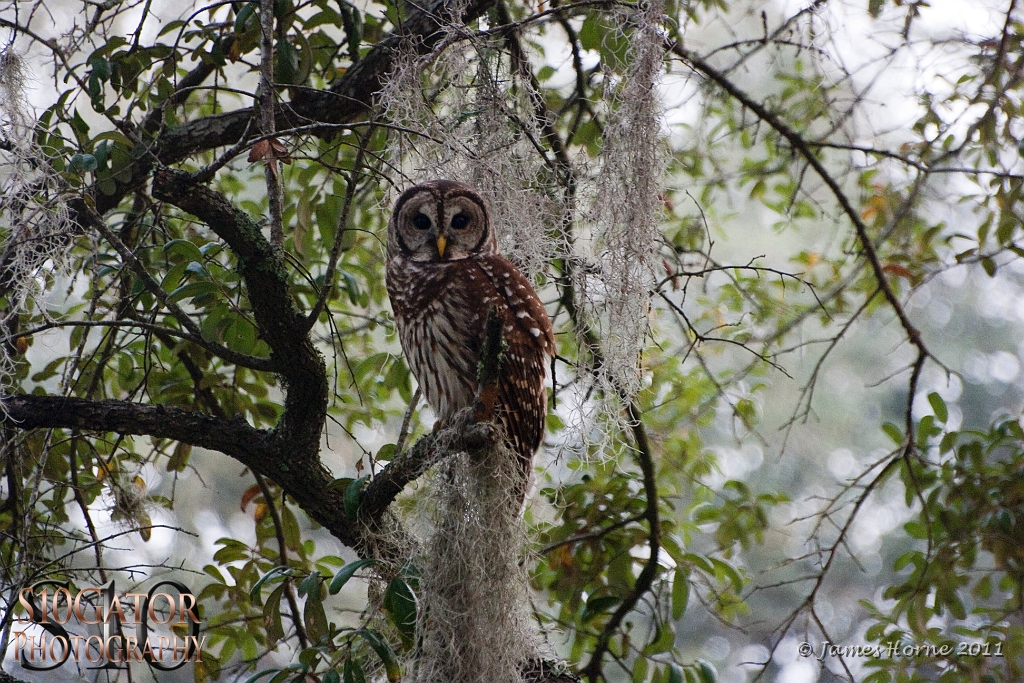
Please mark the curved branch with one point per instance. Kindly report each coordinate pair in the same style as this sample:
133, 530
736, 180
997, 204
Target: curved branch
463, 435
281, 324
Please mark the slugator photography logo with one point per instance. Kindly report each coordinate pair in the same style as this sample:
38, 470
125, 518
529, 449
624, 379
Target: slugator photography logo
126, 623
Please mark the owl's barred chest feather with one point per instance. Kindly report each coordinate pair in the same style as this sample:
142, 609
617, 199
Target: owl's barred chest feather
433, 339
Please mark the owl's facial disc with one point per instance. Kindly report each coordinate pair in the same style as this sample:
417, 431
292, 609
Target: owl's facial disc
441, 221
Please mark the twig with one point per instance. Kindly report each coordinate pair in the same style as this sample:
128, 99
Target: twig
282, 545
266, 109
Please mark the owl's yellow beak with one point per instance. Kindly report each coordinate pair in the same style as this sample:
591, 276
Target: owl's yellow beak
441, 244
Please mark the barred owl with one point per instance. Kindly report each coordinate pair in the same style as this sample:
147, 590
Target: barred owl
443, 273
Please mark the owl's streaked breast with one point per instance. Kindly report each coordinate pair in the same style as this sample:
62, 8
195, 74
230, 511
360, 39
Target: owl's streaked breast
434, 321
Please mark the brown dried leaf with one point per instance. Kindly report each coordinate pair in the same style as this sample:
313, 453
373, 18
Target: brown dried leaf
249, 494
259, 150
279, 151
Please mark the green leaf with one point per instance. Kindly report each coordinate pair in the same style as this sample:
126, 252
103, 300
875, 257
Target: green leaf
400, 604
183, 249
352, 496
354, 672
893, 432
386, 452
231, 552
191, 290
290, 528
989, 265
243, 17
179, 459
171, 26
939, 406
100, 67
592, 32
706, 671
905, 559
346, 573
273, 576
116, 137
198, 269
49, 371
664, 638
272, 616
948, 442
916, 530
384, 651
640, 669
310, 585
314, 617
599, 604
240, 336
725, 571
680, 592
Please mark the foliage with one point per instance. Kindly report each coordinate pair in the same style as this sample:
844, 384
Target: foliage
191, 263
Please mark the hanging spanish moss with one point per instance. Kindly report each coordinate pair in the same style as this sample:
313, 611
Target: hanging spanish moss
469, 117
474, 625
626, 208
465, 112
34, 216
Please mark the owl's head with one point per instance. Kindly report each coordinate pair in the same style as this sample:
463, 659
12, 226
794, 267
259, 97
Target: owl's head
440, 220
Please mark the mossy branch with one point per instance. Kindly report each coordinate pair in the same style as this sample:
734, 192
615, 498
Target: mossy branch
488, 369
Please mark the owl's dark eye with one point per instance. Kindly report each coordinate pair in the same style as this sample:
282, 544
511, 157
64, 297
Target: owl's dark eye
421, 222
459, 221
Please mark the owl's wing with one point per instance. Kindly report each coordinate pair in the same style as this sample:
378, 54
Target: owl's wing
522, 397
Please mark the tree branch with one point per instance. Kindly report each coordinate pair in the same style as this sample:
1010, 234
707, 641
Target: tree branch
462, 435
349, 98
231, 437
267, 102
305, 480
644, 458
278, 318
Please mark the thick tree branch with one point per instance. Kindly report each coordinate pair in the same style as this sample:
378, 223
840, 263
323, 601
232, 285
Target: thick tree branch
231, 437
263, 451
278, 318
